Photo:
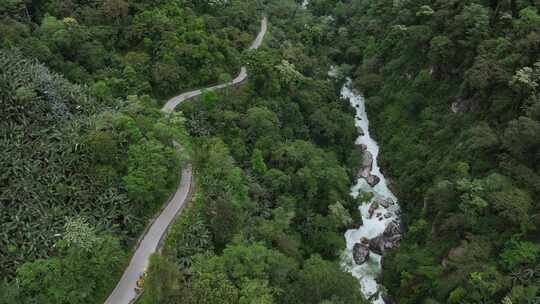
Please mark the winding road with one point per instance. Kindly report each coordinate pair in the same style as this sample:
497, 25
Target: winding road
175, 101
124, 293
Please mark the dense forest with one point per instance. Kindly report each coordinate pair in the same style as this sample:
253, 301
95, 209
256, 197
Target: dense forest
452, 88
274, 163
88, 158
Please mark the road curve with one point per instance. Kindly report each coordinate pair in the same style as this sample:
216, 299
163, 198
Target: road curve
175, 101
124, 292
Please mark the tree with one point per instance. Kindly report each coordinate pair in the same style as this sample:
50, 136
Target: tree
164, 283
474, 21
78, 275
262, 123
149, 162
189, 236
321, 280
518, 253
514, 205
213, 288
114, 9
340, 215
257, 162
288, 72
522, 138
472, 203
483, 138
103, 147
485, 284
79, 234
256, 292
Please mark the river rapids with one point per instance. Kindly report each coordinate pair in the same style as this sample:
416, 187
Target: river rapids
374, 225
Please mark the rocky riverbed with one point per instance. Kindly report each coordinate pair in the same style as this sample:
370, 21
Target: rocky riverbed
381, 227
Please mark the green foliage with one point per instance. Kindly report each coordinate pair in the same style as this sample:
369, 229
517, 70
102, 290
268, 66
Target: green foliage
452, 96
257, 162
272, 179
163, 282
189, 235
148, 171
77, 275
79, 234
320, 280
132, 48
224, 194
66, 157
271, 157
209, 288
519, 253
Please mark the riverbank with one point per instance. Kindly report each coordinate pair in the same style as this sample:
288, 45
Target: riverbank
380, 229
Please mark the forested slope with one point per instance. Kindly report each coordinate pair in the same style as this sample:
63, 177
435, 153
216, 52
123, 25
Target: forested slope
87, 157
274, 161
77, 180
136, 47
452, 90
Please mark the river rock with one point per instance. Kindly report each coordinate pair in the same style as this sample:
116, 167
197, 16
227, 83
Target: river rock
360, 253
382, 243
374, 206
389, 239
388, 215
374, 296
394, 228
387, 299
377, 244
385, 202
360, 131
373, 180
367, 163
364, 240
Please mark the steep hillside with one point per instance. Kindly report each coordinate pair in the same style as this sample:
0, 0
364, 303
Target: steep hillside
87, 158
72, 194
452, 89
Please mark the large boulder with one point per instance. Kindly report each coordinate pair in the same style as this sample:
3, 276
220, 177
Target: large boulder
367, 163
384, 202
367, 166
373, 180
394, 228
389, 239
374, 206
360, 253
377, 244
382, 243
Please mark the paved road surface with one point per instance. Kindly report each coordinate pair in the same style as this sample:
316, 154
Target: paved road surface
124, 293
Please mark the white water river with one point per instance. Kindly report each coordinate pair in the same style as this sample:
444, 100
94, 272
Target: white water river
368, 272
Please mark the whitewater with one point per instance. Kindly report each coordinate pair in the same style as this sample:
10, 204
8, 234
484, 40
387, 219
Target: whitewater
373, 226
